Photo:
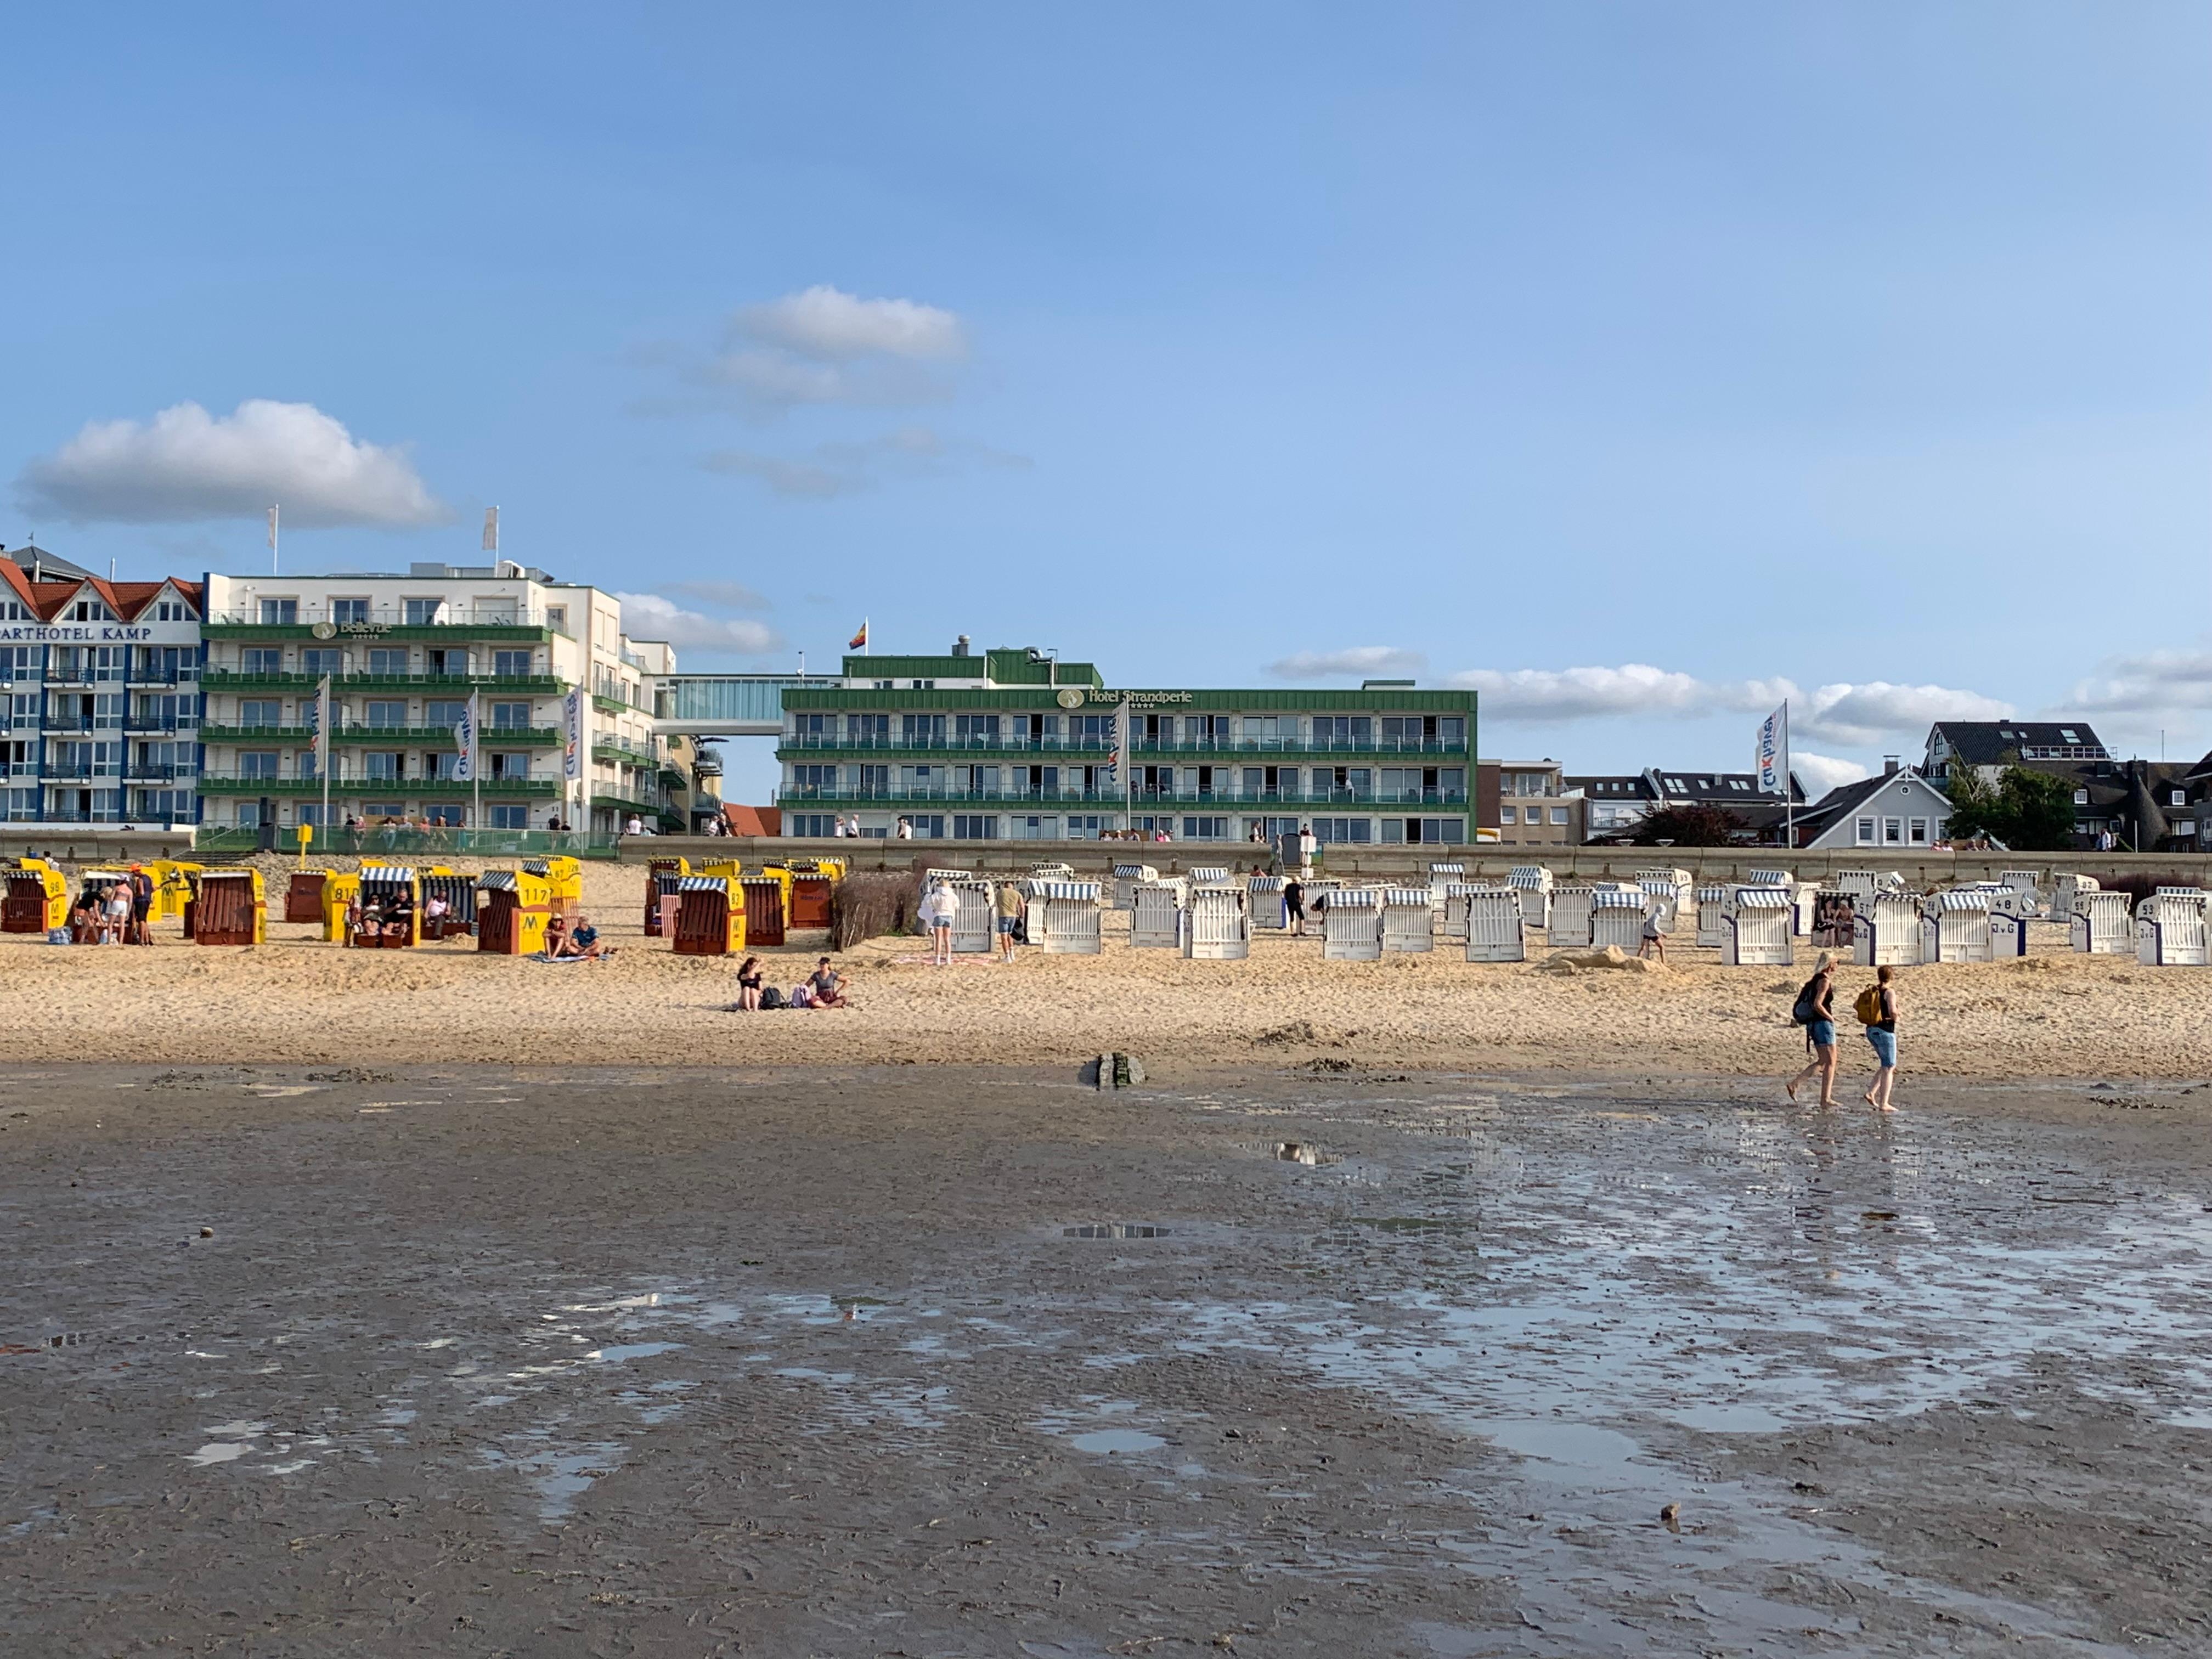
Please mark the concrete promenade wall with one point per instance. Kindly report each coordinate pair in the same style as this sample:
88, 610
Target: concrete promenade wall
1920, 867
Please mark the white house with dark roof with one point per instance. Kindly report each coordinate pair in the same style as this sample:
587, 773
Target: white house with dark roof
1896, 811
1992, 745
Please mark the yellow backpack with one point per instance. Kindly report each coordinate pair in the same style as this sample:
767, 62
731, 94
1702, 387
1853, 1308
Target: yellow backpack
1868, 1009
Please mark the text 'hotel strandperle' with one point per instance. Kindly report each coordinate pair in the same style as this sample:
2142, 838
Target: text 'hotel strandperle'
1013, 745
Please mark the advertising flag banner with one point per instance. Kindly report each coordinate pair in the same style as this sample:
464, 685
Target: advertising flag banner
491, 529
1771, 761
322, 719
465, 739
572, 736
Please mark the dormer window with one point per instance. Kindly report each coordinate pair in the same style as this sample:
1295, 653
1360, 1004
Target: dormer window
90, 611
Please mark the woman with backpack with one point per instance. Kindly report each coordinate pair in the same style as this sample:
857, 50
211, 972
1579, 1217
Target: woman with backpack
1876, 1009
1816, 1011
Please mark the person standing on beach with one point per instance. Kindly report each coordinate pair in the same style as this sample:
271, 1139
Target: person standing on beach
1294, 906
1011, 904
1877, 1010
937, 908
1816, 1012
1655, 940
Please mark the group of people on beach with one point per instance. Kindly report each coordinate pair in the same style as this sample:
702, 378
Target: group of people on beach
1875, 1009
118, 913
825, 988
574, 941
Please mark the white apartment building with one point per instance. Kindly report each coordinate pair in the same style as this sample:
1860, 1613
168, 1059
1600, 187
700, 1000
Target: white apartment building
406, 654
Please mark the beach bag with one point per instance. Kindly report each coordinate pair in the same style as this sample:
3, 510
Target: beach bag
1868, 1009
770, 997
1805, 1010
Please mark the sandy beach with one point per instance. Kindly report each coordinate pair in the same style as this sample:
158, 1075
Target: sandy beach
296, 999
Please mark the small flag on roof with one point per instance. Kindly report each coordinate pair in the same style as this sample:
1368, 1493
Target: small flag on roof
859, 640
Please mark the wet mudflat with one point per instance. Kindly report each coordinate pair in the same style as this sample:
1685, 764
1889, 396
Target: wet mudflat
930, 1361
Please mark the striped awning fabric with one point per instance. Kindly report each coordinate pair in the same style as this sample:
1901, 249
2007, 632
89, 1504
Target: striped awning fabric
1053, 872
703, 884
1657, 884
2198, 893
1769, 878
1617, 899
533, 867
1469, 888
948, 875
221, 875
1140, 871
1711, 895
380, 874
1359, 898
1448, 869
1209, 872
1408, 897
497, 880
1526, 875
752, 881
1266, 884
1761, 898
1083, 891
1960, 898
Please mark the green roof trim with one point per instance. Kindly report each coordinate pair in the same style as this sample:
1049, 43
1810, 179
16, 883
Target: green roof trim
1001, 666
1276, 702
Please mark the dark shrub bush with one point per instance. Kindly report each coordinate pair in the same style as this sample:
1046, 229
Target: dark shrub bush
870, 903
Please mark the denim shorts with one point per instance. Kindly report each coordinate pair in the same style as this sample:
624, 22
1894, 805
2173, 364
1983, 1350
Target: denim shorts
1007, 924
1822, 1031
1885, 1045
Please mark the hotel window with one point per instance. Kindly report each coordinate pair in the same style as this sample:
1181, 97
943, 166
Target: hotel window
865, 731
354, 611
814, 777
556, 618
388, 713
261, 659
448, 714
1085, 826
441, 763
327, 661
1339, 830
1206, 829
384, 809
974, 827
388, 662
382, 764
823, 825
1034, 829
875, 780
1865, 832
976, 730
260, 711
927, 826
421, 613
279, 613
508, 769
511, 665
1509, 815
510, 716
922, 731
257, 764
1559, 815
814, 729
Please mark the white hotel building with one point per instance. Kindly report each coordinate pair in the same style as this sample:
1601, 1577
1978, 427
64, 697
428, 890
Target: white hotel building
406, 654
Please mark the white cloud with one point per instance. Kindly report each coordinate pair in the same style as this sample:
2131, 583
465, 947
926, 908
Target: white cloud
826, 346
1877, 711
187, 465
837, 327
2156, 681
1636, 688
1868, 713
649, 616
1821, 772
732, 596
1364, 659
840, 469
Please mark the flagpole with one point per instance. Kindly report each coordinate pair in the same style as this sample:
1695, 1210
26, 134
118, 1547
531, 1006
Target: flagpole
476, 752
1789, 800
329, 748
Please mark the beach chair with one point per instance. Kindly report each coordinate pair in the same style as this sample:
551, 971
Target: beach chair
303, 896
512, 908
1072, 917
1495, 930
1156, 915
2170, 929
37, 899
1885, 930
391, 909
1218, 924
1572, 907
1265, 897
1409, 922
2101, 924
1534, 884
460, 893
1351, 926
1757, 931
660, 881
762, 904
1617, 918
1954, 926
974, 917
710, 917
1712, 926
564, 877
1125, 877
227, 908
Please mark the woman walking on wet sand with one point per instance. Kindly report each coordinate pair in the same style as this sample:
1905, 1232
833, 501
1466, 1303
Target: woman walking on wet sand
1816, 1012
1877, 1009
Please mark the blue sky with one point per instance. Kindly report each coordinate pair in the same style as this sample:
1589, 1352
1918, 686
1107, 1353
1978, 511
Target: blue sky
1624, 361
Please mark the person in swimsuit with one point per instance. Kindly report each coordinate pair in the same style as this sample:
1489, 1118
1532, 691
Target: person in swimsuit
748, 984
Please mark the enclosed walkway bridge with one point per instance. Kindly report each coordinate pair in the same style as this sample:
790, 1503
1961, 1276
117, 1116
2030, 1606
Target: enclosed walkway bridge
728, 705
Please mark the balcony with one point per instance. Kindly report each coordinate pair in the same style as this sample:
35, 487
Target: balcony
226, 680
415, 736
388, 623
861, 744
1264, 800
609, 753
624, 804
233, 783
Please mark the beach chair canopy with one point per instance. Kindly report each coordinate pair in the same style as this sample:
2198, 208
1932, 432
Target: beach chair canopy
1407, 897
1761, 898
1086, 892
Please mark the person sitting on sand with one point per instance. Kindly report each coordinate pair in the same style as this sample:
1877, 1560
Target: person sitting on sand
584, 942
748, 984
827, 986
557, 937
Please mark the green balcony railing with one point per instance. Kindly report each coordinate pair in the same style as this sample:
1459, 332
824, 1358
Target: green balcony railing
387, 840
416, 737
238, 783
227, 679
